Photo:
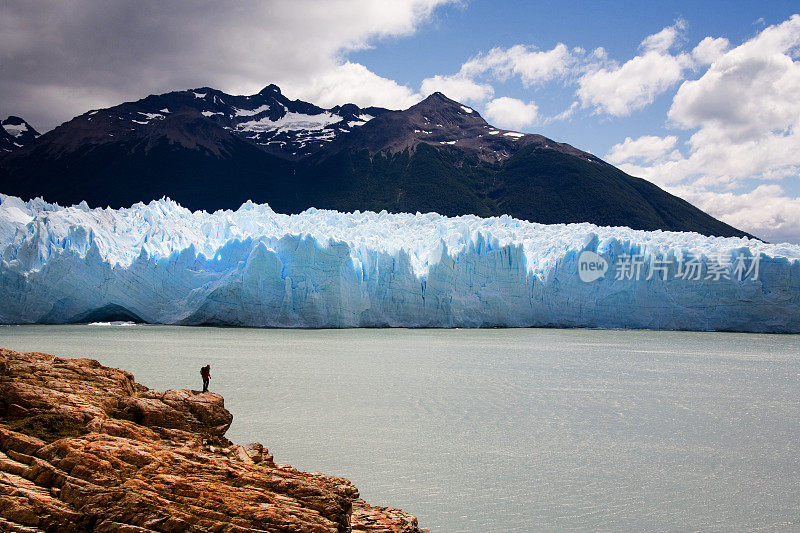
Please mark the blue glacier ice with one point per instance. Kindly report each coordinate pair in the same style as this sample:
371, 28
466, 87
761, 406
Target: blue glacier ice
166, 264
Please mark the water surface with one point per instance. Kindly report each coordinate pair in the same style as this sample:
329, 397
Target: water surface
500, 430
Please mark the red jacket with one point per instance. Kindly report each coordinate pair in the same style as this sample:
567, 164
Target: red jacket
205, 372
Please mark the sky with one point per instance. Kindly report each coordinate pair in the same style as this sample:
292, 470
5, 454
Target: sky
701, 98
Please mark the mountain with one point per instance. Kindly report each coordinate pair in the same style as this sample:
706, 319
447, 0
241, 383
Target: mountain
209, 150
15, 133
439, 121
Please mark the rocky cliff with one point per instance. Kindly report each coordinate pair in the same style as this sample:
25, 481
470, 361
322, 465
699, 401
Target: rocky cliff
84, 447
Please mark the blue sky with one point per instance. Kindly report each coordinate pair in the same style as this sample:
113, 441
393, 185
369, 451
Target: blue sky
458, 32
697, 97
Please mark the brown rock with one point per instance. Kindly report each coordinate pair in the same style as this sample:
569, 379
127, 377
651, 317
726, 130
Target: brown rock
85, 448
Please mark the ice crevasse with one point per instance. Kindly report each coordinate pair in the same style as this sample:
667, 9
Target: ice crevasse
162, 263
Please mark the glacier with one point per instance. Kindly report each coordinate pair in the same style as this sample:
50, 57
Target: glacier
161, 263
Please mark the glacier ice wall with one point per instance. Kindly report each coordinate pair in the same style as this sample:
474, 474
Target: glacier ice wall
254, 267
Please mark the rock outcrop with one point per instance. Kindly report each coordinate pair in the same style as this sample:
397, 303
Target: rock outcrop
84, 447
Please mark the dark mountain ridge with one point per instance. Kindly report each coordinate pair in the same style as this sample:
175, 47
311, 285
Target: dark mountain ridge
209, 150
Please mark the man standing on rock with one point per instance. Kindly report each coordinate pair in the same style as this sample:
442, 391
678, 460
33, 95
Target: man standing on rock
205, 373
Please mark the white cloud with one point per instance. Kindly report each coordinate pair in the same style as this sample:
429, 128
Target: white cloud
745, 114
765, 212
531, 65
457, 87
123, 50
564, 115
648, 147
600, 54
511, 113
709, 50
749, 90
662, 41
620, 90
352, 83
653, 158
745, 111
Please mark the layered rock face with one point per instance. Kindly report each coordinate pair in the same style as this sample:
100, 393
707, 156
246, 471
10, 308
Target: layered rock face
84, 447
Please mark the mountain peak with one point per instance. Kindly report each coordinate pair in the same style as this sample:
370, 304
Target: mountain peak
270, 89
444, 123
438, 99
441, 110
440, 96
203, 90
212, 150
13, 120
15, 133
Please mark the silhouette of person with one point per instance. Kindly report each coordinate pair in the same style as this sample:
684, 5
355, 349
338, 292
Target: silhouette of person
205, 373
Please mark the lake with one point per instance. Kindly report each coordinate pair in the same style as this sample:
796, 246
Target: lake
500, 429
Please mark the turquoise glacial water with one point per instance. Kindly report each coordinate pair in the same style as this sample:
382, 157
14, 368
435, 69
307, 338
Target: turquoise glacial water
500, 430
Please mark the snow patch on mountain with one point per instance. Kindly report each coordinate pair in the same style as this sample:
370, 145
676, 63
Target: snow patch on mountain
251, 112
15, 130
291, 122
151, 116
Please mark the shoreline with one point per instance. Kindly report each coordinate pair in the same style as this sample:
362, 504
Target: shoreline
84, 446
409, 328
